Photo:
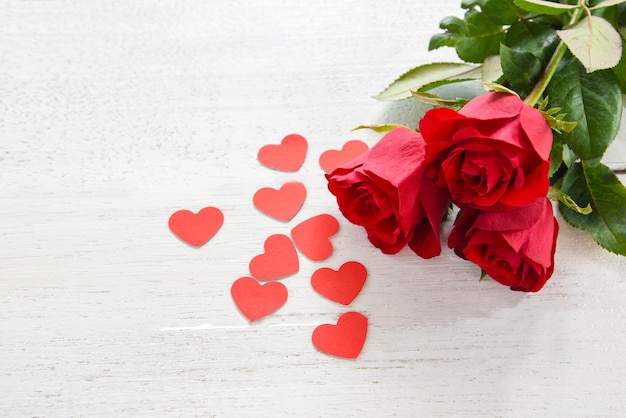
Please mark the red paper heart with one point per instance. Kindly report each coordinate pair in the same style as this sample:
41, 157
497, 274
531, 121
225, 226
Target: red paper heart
196, 229
282, 204
331, 159
256, 300
288, 156
341, 286
346, 339
312, 237
279, 260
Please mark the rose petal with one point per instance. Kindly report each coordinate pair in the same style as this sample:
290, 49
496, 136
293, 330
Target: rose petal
537, 130
439, 124
425, 241
491, 106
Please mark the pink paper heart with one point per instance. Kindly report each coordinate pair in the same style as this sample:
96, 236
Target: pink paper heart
256, 300
331, 159
346, 339
312, 237
282, 204
279, 260
288, 156
342, 285
196, 229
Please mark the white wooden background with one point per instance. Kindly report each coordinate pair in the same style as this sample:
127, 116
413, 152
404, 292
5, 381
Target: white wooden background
114, 114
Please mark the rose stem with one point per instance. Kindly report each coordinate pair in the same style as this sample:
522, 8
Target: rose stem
534, 96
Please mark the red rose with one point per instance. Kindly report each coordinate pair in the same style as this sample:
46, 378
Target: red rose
514, 247
385, 191
493, 154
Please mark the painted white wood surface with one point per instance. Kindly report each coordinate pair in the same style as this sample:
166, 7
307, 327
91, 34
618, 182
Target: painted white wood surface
114, 114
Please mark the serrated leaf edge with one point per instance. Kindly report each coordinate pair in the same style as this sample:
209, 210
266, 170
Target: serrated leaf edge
407, 73
544, 7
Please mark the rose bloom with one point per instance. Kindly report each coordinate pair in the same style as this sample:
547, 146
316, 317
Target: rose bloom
493, 154
385, 191
516, 247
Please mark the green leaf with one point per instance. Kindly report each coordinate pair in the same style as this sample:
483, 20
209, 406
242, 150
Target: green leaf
381, 128
521, 69
439, 83
569, 156
622, 31
526, 50
427, 74
454, 27
608, 13
607, 3
481, 40
502, 12
492, 69
556, 156
559, 195
498, 88
620, 69
468, 4
475, 38
592, 99
538, 39
544, 7
434, 100
594, 41
601, 188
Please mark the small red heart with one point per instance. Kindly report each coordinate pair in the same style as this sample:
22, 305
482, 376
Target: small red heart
256, 300
341, 286
196, 229
279, 260
331, 159
282, 204
346, 339
312, 237
288, 156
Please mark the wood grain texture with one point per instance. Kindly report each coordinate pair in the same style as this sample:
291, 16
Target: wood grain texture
115, 114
